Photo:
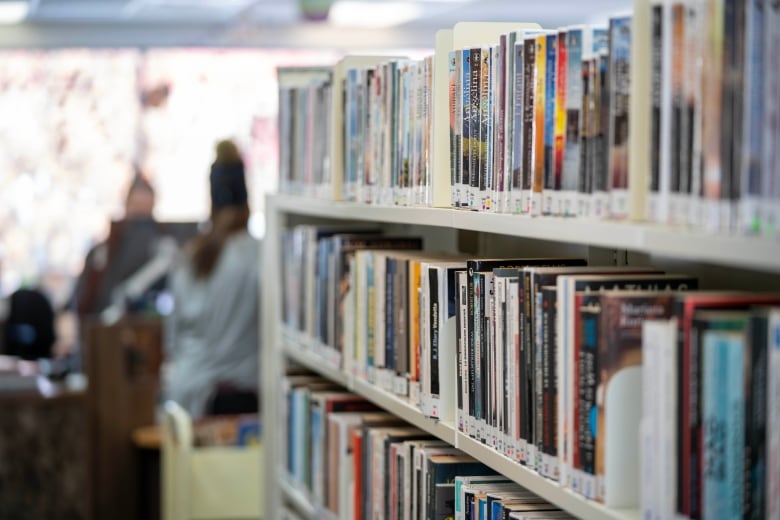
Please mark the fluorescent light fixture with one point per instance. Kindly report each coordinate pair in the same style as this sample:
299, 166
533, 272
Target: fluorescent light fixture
13, 11
355, 14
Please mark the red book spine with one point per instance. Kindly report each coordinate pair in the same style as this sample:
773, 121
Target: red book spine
357, 459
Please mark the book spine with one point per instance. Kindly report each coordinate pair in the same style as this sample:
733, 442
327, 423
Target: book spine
529, 106
518, 145
649, 440
434, 320
498, 80
549, 384
471, 354
572, 141
772, 489
620, 86
476, 121
749, 219
656, 64
505, 138
465, 147
585, 176
538, 396
513, 315
524, 393
723, 430
600, 197
560, 121
551, 68
455, 99
586, 390
540, 78
485, 128
756, 462
771, 120
462, 352
500, 284
712, 131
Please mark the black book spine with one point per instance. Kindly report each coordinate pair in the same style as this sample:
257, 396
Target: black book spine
588, 377
434, 310
528, 363
756, 460
549, 375
521, 381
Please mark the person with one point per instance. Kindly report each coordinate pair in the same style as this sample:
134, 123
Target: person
129, 246
212, 333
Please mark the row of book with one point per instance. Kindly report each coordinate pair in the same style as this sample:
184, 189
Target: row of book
623, 121
541, 359
352, 461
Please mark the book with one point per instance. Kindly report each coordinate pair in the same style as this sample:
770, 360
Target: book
550, 114
773, 416
619, 101
440, 293
689, 386
723, 423
578, 43
620, 376
572, 292
658, 426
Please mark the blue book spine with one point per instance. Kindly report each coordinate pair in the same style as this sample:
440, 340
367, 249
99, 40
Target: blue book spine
723, 412
549, 120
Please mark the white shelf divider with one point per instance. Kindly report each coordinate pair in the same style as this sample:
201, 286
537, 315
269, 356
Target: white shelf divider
296, 497
760, 253
303, 352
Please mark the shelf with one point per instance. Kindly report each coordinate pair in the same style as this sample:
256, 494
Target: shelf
295, 347
301, 351
565, 499
403, 409
761, 253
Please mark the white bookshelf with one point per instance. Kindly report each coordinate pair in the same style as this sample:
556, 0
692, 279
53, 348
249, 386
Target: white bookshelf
754, 255
283, 346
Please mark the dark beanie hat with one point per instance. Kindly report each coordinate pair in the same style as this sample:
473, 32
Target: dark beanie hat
228, 187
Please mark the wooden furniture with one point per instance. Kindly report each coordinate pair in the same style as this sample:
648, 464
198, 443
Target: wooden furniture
44, 454
122, 363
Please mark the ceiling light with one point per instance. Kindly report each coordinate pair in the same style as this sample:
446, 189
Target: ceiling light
351, 13
13, 11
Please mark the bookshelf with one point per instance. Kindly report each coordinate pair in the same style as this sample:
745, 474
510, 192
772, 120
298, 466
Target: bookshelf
281, 346
720, 259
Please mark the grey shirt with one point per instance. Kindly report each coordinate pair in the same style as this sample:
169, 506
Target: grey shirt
212, 334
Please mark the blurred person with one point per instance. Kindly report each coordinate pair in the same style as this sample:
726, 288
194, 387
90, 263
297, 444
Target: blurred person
130, 245
212, 333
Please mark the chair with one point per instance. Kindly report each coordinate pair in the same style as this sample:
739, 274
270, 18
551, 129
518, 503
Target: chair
212, 482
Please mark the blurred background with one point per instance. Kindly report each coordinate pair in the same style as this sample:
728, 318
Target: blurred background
92, 91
